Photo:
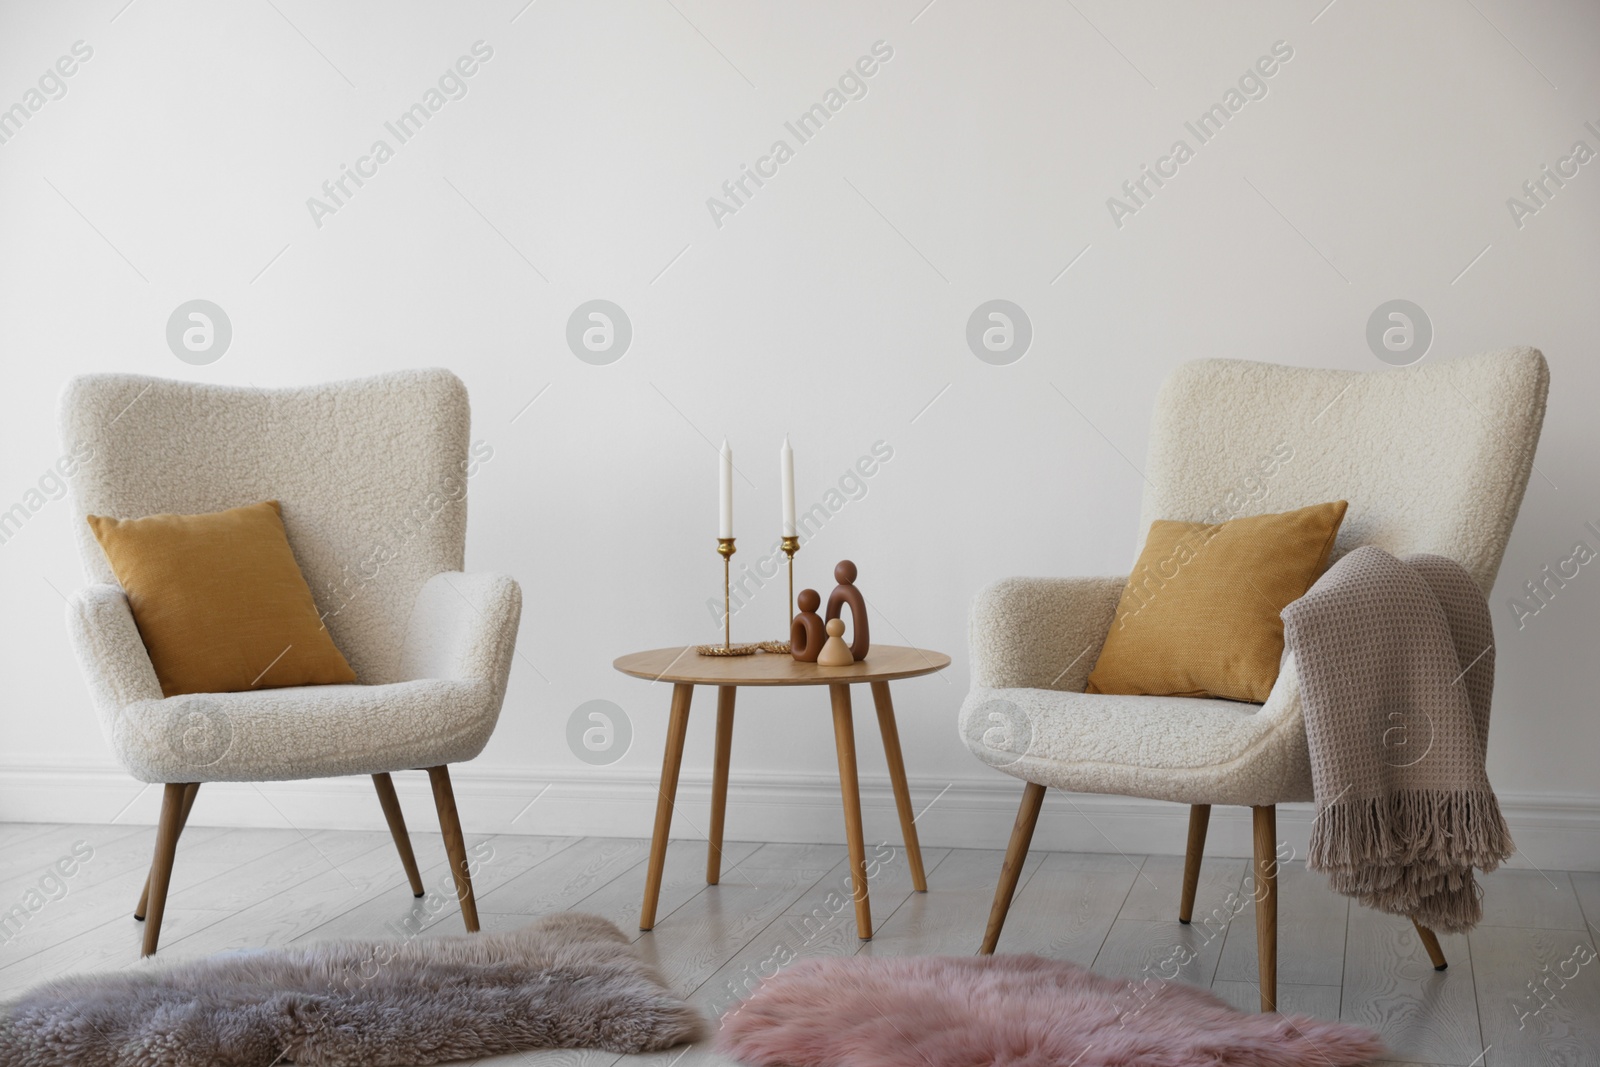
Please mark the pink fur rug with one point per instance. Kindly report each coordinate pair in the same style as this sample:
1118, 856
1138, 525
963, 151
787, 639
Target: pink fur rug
1015, 1011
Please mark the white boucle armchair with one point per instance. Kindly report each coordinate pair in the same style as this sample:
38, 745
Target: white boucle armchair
1432, 458
372, 477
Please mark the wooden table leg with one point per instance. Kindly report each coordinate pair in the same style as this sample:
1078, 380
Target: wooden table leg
844, 736
719, 781
897, 776
677, 729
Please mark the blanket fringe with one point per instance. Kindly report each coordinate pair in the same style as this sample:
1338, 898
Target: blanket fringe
1412, 852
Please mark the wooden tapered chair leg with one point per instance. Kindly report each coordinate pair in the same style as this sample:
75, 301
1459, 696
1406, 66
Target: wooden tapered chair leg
167, 831
1430, 941
1011, 869
189, 792
455, 846
1199, 819
397, 829
1265, 820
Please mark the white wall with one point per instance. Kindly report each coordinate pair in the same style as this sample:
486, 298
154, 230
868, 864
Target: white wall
833, 306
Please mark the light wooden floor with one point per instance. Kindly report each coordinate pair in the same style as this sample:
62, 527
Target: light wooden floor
239, 888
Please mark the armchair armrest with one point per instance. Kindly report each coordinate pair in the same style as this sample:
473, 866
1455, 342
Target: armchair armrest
110, 651
1285, 699
463, 627
1040, 633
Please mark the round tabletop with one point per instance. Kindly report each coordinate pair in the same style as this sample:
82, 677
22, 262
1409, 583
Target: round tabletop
683, 665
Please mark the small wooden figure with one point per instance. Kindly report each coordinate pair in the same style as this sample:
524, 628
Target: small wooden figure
847, 593
807, 634
835, 653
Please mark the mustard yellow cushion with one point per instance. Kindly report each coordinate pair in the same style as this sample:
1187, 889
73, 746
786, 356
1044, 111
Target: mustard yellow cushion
1199, 615
220, 602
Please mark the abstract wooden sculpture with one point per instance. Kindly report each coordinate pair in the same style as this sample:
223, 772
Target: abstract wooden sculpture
847, 593
835, 653
806, 633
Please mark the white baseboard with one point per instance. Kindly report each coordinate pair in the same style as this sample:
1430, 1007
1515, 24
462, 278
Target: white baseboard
1552, 832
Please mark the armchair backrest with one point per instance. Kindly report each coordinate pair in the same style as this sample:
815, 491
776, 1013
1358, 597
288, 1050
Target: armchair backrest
1432, 458
371, 474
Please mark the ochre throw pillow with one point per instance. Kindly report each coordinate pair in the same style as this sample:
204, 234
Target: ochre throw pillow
220, 602
1199, 615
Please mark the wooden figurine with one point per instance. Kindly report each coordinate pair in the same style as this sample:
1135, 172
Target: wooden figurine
807, 634
835, 653
847, 593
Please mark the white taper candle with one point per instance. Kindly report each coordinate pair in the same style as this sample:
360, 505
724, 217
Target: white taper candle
786, 466
725, 527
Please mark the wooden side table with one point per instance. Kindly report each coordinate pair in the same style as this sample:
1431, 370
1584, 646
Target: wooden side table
685, 670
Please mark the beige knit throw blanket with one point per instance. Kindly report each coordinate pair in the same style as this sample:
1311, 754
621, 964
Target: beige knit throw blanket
1396, 664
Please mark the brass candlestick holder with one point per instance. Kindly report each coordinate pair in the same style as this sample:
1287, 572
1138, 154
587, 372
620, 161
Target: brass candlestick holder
790, 545
726, 549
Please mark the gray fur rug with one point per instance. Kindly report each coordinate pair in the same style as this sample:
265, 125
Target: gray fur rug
566, 981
